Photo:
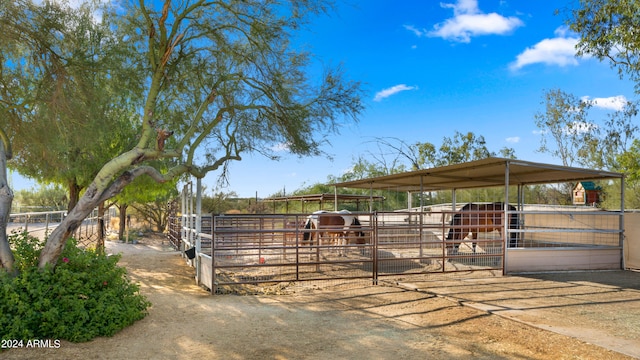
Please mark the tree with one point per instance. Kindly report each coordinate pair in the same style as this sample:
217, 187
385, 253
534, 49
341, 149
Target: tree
629, 162
45, 198
396, 149
613, 138
218, 203
59, 95
565, 122
609, 31
220, 79
363, 168
462, 148
453, 150
78, 84
579, 139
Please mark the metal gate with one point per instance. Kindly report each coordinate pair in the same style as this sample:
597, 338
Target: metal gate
257, 251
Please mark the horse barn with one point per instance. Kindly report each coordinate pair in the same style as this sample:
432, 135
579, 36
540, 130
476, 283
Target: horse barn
491, 234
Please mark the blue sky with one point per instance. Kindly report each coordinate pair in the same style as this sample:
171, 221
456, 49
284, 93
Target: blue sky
430, 69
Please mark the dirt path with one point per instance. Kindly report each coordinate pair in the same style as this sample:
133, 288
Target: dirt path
381, 322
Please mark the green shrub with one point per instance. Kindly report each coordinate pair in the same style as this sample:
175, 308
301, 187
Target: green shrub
85, 296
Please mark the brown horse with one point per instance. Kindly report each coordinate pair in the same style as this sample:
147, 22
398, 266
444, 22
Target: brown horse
475, 218
333, 228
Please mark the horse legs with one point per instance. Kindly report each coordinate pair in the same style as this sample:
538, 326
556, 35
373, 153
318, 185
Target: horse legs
312, 237
340, 242
330, 239
340, 239
474, 241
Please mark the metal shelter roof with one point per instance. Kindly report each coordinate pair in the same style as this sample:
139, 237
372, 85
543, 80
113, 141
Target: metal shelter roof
324, 197
489, 172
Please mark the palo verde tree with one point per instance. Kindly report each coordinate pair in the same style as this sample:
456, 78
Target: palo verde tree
72, 91
220, 79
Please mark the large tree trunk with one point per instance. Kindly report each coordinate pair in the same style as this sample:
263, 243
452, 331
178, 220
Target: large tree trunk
58, 237
123, 220
89, 201
74, 194
6, 255
101, 228
6, 198
161, 221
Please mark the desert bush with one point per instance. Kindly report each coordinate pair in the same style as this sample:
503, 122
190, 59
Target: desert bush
85, 296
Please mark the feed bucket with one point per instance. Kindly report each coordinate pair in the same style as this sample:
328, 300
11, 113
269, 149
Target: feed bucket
191, 253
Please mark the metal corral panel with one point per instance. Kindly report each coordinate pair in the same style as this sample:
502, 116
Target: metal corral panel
251, 252
632, 240
559, 259
205, 271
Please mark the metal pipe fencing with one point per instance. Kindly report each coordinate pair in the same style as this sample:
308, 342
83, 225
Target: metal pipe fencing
255, 250
41, 224
251, 253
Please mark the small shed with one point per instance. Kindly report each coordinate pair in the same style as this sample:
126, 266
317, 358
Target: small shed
586, 193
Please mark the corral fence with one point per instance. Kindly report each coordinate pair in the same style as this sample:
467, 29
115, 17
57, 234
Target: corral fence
41, 224
259, 250
257, 253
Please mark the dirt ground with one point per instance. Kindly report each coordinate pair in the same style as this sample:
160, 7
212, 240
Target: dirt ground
450, 319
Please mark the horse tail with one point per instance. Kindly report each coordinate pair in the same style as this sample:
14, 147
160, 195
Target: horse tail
455, 220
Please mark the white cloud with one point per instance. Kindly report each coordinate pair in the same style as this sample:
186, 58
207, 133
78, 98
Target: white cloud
463, 7
417, 32
616, 103
280, 147
383, 94
513, 139
580, 127
560, 50
469, 21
